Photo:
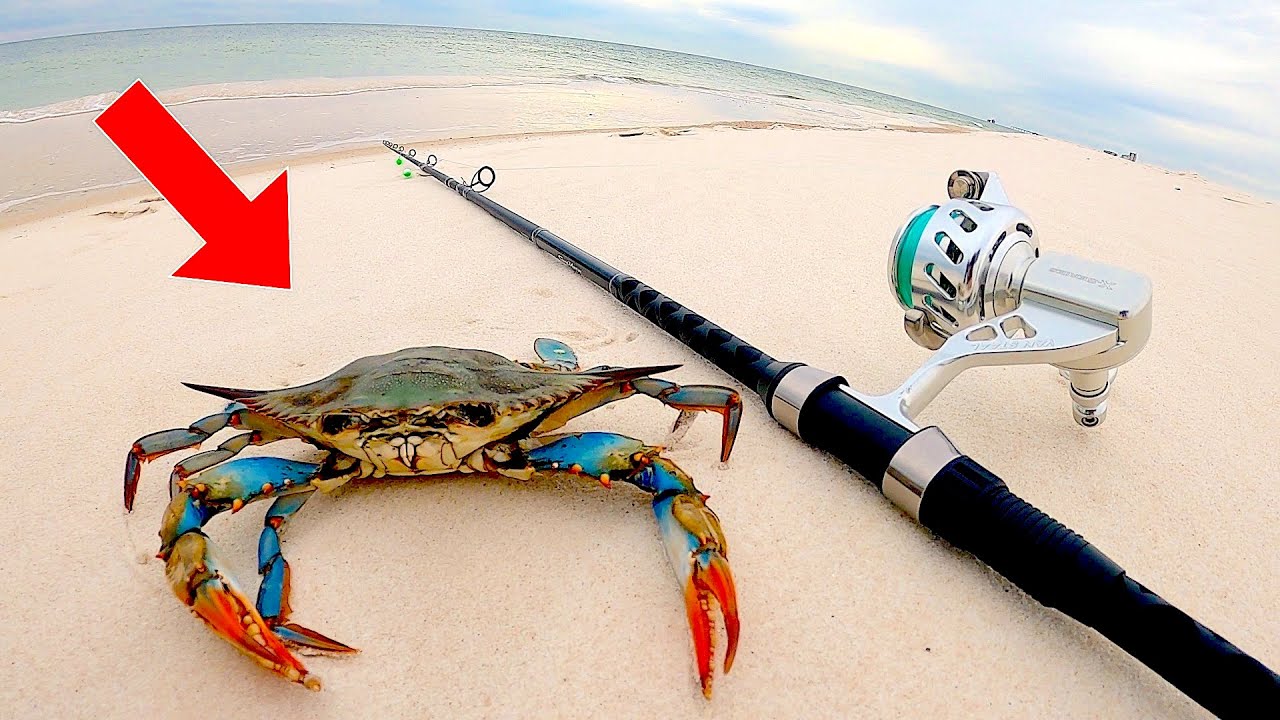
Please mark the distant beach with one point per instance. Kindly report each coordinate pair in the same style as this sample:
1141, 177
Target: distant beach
254, 92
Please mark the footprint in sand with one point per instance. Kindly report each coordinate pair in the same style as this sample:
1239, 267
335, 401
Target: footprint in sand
587, 334
594, 336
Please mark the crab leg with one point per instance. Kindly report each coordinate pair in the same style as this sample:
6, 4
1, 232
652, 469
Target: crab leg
689, 399
691, 532
202, 461
150, 447
273, 593
196, 574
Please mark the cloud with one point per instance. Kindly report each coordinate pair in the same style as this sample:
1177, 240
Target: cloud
857, 44
1182, 82
1187, 85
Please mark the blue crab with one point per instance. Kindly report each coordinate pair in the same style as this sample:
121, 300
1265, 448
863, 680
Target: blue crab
425, 411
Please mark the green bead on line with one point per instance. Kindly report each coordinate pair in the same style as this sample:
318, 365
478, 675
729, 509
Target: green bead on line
408, 173
399, 161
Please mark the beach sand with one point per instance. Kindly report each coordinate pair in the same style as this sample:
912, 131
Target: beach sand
481, 597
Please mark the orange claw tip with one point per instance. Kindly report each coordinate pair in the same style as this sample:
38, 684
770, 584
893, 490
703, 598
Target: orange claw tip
230, 615
713, 582
705, 584
700, 627
194, 577
729, 431
719, 581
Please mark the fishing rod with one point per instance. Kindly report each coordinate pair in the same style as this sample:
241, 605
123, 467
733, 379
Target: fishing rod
977, 289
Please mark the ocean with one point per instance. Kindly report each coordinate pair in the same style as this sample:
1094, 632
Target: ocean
256, 93
79, 73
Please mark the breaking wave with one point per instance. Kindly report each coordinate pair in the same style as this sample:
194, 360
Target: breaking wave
323, 87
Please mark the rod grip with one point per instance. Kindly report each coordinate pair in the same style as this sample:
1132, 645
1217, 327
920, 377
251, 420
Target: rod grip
974, 510
748, 364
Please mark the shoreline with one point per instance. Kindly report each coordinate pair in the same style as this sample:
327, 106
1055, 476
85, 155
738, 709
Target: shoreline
282, 120
256, 125
77, 200
266, 90
40, 207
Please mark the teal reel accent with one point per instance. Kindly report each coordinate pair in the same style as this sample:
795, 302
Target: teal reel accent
905, 253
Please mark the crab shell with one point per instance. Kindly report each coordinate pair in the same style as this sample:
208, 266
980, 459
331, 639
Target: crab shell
431, 409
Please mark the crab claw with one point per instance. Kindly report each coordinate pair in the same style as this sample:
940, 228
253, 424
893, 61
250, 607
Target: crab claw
198, 580
697, 549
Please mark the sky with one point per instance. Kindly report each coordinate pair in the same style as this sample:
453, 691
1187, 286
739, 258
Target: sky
1187, 84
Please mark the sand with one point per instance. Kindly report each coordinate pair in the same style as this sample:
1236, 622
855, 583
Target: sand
495, 598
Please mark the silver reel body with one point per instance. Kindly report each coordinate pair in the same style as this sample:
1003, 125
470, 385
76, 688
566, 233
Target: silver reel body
978, 290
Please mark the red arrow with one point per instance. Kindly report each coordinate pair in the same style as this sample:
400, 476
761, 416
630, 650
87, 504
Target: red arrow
246, 241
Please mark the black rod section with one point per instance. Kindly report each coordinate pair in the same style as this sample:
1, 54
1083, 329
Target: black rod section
963, 502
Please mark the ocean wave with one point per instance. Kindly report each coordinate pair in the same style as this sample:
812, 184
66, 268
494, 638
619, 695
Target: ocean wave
89, 103
255, 91
7, 204
336, 87
638, 80
618, 79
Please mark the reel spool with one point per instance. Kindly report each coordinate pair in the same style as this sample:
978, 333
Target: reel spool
961, 262
977, 289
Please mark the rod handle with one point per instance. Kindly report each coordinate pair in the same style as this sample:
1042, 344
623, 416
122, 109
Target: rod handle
974, 510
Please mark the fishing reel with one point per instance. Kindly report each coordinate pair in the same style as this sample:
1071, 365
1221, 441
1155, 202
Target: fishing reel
978, 290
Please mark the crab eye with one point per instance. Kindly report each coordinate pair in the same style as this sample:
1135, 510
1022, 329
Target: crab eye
429, 420
338, 422
477, 414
